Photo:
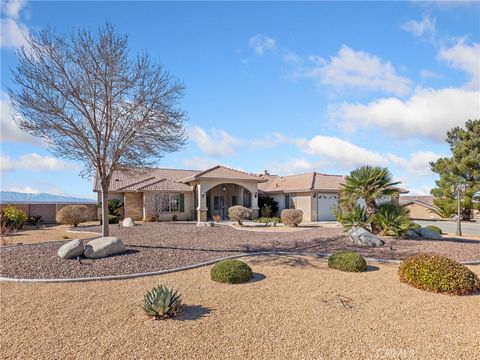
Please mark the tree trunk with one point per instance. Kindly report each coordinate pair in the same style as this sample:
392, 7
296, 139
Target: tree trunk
105, 222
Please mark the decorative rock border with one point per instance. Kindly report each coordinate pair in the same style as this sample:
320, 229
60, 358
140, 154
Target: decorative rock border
193, 266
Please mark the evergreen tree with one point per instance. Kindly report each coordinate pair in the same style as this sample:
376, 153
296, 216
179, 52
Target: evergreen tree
462, 168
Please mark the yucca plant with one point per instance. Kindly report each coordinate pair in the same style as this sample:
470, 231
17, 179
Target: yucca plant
161, 302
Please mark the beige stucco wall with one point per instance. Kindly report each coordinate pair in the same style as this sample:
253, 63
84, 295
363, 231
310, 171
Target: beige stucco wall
149, 207
303, 201
133, 205
421, 212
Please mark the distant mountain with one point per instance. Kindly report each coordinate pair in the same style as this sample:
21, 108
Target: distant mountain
18, 197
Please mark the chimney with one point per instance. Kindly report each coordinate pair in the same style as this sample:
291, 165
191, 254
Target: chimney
265, 172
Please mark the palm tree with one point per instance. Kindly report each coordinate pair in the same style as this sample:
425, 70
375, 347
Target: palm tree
369, 183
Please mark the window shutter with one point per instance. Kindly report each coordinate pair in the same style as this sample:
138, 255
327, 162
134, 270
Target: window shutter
287, 202
182, 203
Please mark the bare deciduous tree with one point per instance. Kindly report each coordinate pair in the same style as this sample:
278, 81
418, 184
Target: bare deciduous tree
90, 101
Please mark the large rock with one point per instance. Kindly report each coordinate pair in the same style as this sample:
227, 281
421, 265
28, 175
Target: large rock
429, 234
360, 236
128, 222
71, 250
103, 247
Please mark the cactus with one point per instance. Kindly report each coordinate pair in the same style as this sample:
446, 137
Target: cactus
161, 302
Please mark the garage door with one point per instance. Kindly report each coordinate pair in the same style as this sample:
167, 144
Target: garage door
325, 203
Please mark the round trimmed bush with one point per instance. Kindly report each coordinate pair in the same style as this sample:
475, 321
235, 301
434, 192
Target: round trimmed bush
438, 274
72, 215
434, 228
231, 272
347, 261
239, 213
415, 226
291, 217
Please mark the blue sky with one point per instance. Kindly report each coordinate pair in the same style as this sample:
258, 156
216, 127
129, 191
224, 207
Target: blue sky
288, 87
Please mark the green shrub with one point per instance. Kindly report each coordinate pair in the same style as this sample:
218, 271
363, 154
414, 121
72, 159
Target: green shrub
239, 213
72, 215
112, 219
392, 219
231, 272
113, 206
415, 226
265, 211
291, 217
13, 218
347, 261
265, 220
161, 302
438, 274
266, 200
356, 217
434, 228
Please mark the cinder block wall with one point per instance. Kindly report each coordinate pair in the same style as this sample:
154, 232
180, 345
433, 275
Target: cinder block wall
48, 212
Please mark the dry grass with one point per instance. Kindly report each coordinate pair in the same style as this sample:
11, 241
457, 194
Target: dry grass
297, 309
51, 232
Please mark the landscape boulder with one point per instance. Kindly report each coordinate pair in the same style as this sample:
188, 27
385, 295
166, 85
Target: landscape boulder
103, 247
360, 236
128, 222
71, 249
412, 233
429, 234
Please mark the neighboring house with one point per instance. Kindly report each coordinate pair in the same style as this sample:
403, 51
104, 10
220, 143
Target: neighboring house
420, 207
198, 195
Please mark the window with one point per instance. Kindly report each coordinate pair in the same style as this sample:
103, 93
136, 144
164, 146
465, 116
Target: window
234, 200
289, 202
247, 199
172, 203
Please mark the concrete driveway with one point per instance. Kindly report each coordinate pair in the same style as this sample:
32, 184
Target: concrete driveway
468, 228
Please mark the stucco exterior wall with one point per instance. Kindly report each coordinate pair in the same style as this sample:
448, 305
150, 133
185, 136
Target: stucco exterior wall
149, 207
421, 212
133, 205
303, 201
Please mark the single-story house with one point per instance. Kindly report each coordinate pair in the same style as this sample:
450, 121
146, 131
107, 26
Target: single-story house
420, 207
169, 194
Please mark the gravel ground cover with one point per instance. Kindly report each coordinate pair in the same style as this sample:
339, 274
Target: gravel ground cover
50, 232
295, 308
161, 246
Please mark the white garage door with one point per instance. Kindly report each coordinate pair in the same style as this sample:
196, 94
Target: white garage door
325, 203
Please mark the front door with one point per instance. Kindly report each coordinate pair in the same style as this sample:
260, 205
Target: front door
219, 206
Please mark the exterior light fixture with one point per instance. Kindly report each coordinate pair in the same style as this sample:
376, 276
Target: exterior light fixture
314, 195
203, 193
256, 194
223, 188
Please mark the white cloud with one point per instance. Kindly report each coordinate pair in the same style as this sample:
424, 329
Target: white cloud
351, 69
343, 153
424, 28
428, 113
200, 163
13, 31
35, 162
8, 129
466, 58
12, 8
23, 189
261, 44
418, 163
292, 166
216, 142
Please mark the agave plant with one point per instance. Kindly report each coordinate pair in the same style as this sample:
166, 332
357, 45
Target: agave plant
392, 219
357, 216
161, 302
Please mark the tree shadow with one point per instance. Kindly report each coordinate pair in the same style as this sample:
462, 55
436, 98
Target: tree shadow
192, 312
289, 260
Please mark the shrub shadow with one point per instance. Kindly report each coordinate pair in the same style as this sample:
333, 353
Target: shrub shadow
372, 268
192, 312
257, 277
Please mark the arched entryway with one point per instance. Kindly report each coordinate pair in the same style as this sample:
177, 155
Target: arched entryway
219, 198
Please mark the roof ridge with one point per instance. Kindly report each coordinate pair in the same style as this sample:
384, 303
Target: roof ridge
135, 183
152, 183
